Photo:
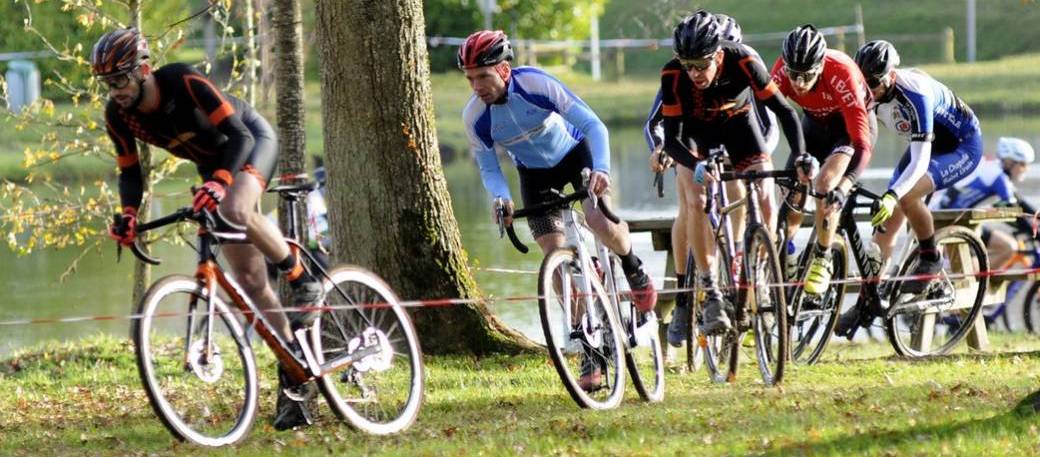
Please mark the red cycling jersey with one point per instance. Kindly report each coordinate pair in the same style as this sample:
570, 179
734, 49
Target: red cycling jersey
840, 90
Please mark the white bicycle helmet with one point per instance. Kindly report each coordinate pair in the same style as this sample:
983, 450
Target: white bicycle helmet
1015, 149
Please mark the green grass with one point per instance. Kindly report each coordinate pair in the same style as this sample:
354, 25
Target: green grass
85, 398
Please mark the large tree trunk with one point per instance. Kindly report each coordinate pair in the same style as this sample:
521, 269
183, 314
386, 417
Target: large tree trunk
142, 271
390, 208
289, 90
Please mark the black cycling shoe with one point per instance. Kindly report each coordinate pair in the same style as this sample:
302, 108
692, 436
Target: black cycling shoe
714, 315
924, 267
307, 294
294, 405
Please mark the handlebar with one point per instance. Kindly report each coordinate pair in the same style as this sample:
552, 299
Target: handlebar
209, 221
545, 207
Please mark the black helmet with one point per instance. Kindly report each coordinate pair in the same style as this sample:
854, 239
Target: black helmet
804, 48
696, 36
118, 52
877, 58
729, 28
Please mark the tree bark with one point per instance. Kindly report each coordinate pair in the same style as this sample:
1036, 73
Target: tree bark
390, 208
142, 271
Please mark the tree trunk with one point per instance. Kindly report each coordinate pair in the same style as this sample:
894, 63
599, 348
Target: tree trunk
390, 208
142, 271
266, 34
251, 52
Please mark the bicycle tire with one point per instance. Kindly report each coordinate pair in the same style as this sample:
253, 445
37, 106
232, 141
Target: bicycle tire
1031, 308
898, 325
812, 329
194, 417
591, 343
382, 393
764, 300
645, 362
716, 350
694, 351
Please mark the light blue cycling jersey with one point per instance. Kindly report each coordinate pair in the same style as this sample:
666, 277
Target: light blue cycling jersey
537, 125
926, 112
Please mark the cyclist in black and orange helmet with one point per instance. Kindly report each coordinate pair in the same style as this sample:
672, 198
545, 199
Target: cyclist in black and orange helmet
178, 109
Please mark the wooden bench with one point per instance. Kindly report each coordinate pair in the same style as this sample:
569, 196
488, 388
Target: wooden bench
660, 230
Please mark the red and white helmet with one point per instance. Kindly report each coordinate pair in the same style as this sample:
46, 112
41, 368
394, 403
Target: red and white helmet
484, 48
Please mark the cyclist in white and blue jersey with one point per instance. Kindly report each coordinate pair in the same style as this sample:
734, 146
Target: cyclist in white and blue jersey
551, 135
994, 184
653, 133
945, 146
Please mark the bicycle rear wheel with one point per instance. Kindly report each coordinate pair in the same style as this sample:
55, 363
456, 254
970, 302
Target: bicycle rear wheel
814, 318
381, 392
694, 352
765, 304
934, 322
645, 356
581, 331
200, 376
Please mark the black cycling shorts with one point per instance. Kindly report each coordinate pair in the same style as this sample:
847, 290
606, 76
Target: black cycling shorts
263, 159
829, 137
741, 134
537, 185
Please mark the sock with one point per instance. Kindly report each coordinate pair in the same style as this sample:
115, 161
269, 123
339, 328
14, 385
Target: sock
629, 263
822, 251
293, 269
680, 283
929, 251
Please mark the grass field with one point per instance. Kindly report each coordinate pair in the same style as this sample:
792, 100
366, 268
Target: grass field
86, 399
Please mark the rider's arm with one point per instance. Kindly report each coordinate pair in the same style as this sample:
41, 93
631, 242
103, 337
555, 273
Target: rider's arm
768, 93
653, 131
477, 119
851, 90
673, 144
131, 186
672, 116
921, 106
575, 111
235, 151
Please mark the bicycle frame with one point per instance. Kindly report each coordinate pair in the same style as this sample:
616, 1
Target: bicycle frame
577, 235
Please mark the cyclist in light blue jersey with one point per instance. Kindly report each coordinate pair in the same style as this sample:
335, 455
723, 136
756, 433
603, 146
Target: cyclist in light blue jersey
551, 135
994, 184
945, 146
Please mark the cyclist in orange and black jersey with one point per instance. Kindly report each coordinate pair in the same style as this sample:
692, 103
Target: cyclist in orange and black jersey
234, 148
706, 95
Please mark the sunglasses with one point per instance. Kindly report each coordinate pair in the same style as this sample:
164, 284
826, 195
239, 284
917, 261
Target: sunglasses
873, 81
700, 64
115, 82
803, 78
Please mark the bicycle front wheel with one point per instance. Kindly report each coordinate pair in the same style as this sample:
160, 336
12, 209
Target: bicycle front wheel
935, 321
765, 305
718, 351
581, 331
197, 368
380, 392
815, 317
645, 356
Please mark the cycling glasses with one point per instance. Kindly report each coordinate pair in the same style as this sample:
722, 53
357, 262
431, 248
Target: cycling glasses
115, 82
804, 78
700, 64
874, 81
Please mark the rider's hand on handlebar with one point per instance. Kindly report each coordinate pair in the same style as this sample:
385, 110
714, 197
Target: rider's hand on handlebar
886, 206
702, 175
805, 165
124, 227
209, 195
507, 206
660, 161
598, 183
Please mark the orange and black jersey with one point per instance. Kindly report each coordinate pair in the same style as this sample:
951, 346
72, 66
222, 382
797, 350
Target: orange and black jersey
740, 76
195, 121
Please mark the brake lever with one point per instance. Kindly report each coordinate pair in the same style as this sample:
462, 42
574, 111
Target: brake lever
500, 217
586, 176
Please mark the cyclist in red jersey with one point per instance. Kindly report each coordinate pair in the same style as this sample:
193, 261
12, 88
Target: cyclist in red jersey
839, 133
233, 147
706, 92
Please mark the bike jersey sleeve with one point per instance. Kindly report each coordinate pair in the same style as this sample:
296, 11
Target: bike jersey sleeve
848, 86
131, 186
653, 131
222, 115
477, 119
549, 92
769, 94
919, 106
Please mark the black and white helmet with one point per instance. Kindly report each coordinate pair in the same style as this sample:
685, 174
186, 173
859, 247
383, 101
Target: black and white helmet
729, 28
696, 36
804, 48
876, 58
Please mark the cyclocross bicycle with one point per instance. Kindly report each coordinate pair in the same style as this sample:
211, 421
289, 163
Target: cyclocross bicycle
588, 317
195, 355
750, 281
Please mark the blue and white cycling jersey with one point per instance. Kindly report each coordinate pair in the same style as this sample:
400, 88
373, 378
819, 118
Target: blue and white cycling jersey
537, 125
927, 112
988, 184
